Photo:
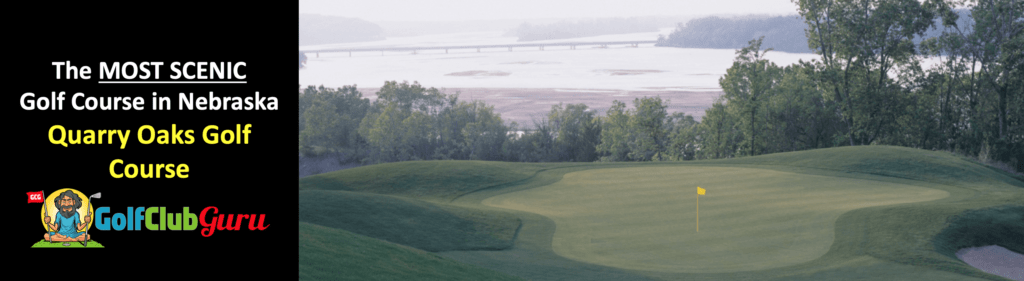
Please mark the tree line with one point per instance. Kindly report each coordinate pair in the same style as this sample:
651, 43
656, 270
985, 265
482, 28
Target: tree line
320, 29
782, 33
867, 87
583, 28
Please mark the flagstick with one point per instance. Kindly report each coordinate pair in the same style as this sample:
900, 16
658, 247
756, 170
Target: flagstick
47, 214
698, 212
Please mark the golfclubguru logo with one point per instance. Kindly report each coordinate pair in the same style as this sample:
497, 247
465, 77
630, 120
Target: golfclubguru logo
158, 219
67, 215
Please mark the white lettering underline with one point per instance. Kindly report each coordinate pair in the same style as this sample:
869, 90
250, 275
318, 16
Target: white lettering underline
172, 82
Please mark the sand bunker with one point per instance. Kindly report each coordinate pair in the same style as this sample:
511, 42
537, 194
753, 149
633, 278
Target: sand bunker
615, 72
995, 260
478, 73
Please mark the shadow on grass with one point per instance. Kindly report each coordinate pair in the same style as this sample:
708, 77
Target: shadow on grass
1001, 225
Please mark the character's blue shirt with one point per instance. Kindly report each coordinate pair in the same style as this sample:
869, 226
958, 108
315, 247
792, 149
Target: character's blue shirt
68, 226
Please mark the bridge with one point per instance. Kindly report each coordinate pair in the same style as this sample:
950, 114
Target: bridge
510, 47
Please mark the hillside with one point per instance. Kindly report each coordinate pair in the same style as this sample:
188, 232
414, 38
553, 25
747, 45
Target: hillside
902, 214
320, 29
332, 254
783, 33
415, 223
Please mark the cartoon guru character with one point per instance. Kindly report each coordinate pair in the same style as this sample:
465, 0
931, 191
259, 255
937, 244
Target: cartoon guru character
69, 224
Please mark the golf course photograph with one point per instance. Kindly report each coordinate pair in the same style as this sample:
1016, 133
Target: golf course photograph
661, 140
851, 213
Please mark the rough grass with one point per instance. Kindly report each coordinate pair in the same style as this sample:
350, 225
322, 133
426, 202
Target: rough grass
332, 254
1003, 226
896, 241
892, 161
420, 224
425, 180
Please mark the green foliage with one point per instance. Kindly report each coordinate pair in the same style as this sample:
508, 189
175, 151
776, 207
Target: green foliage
647, 137
860, 42
410, 122
484, 132
867, 88
684, 135
636, 134
537, 145
615, 132
746, 84
329, 118
577, 132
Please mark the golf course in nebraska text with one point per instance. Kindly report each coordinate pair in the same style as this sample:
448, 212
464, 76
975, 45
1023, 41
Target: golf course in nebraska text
751, 219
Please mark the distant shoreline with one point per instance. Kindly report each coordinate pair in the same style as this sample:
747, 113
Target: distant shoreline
524, 105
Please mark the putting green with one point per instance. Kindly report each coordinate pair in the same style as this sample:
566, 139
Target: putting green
750, 219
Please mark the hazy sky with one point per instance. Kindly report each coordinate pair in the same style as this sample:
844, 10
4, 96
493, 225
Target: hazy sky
452, 10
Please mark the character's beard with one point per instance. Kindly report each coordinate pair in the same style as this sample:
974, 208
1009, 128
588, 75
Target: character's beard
67, 214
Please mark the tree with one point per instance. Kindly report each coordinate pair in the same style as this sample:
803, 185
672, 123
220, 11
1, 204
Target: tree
860, 42
684, 137
648, 136
615, 133
799, 115
634, 135
722, 136
329, 118
485, 134
577, 132
750, 79
322, 126
386, 135
998, 38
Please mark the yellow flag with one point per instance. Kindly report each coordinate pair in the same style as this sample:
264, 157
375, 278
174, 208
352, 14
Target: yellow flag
700, 191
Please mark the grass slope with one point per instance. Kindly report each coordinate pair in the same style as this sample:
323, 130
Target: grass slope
898, 241
973, 229
751, 219
410, 222
426, 180
332, 254
891, 161
912, 234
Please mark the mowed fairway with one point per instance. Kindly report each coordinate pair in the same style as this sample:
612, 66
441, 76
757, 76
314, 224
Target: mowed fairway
751, 219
